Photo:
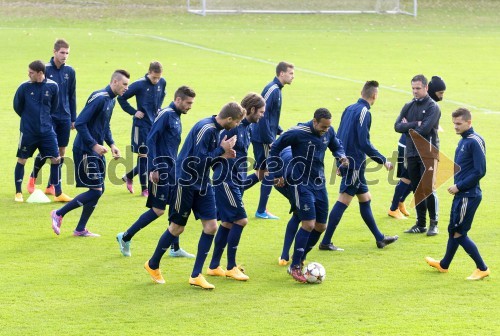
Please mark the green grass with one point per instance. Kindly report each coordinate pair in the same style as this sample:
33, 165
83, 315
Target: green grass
63, 285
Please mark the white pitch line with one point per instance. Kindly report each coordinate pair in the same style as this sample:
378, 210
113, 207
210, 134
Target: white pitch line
260, 60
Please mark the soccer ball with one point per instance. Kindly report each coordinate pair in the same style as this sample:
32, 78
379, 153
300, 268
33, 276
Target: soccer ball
315, 273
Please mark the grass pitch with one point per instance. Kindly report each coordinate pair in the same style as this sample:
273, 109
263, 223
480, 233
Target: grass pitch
64, 285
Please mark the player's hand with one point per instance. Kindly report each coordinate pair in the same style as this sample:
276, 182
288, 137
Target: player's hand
154, 176
100, 150
229, 154
72, 125
228, 144
139, 115
344, 161
453, 189
279, 182
388, 165
115, 151
232, 140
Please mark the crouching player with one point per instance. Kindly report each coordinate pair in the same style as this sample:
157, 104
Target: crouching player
308, 142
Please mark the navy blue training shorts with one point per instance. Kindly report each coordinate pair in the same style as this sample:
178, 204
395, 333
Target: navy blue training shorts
90, 170
229, 201
201, 202
46, 145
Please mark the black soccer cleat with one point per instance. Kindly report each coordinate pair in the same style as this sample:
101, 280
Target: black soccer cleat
433, 230
416, 229
386, 241
329, 247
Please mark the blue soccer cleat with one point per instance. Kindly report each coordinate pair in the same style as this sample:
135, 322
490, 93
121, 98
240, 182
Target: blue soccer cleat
265, 215
124, 245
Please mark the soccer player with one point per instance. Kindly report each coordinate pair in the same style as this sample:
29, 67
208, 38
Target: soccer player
162, 143
288, 191
93, 129
35, 102
193, 190
354, 133
229, 179
265, 131
398, 210
421, 116
149, 92
308, 142
470, 156
63, 119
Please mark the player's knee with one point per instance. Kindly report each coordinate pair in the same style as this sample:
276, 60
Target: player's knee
62, 151
97, 192
55, 160
242, 222
158, 212
308, 225
210, 227
175, 229
320, 227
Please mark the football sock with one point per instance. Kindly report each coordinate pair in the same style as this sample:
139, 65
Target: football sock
301, 239
311, 242
265, 191
433, 206
175, 244
451, 248
18, 176
87, 211
398, 194
406, 192
37, 165
49, 183
233, 239
470, 247
139, 224
291, 231
163, 244
143, 173
333, 220
54, 178
130, 175
250, 181
220, 242
204, 245
80, 200
367, 215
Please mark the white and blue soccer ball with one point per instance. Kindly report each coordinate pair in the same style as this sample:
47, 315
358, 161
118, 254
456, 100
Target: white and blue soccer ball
315, 273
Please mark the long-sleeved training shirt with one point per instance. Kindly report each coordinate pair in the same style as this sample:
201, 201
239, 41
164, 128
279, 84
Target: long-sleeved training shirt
308, 150
65, 77
354, 132
470, 156
92, 123
35, 103
149, 98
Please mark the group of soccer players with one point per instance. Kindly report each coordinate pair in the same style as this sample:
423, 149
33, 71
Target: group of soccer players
292, 162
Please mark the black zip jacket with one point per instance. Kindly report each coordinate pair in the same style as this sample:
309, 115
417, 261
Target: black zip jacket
428, 113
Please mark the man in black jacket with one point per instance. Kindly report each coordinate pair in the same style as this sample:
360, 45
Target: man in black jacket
419, 119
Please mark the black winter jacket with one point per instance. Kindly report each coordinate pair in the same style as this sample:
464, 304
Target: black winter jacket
428, 113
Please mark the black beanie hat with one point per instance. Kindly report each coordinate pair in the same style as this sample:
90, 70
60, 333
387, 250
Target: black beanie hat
435, 85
